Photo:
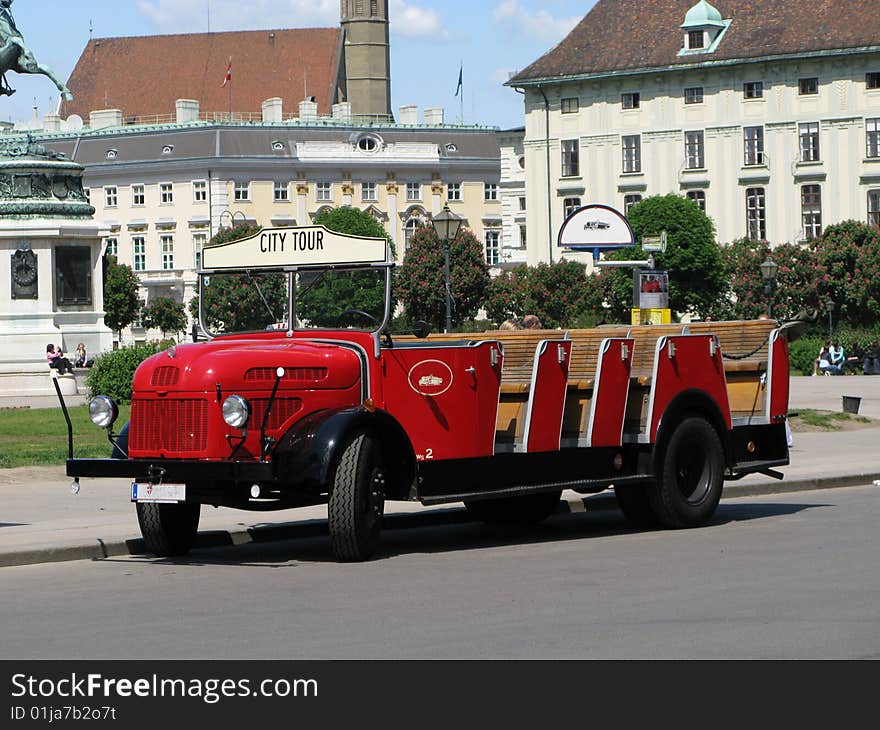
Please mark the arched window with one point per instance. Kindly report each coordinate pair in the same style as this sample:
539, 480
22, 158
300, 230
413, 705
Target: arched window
410, 228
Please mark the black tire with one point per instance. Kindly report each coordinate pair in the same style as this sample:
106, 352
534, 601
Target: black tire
688, 487
357, 502
635, 504
528, 509
168, 529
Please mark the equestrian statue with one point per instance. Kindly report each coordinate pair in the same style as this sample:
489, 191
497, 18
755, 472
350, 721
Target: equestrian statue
16, 56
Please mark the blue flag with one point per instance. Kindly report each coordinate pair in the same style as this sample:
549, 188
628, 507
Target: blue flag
458, 88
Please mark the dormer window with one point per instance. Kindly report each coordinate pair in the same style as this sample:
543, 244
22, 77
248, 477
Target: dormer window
368, 143
703, 29
167, 149
112, 154
277, 146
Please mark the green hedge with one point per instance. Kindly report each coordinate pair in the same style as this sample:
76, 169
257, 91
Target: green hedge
113, 372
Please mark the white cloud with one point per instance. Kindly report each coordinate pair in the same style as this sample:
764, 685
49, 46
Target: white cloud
189, 16
538, 24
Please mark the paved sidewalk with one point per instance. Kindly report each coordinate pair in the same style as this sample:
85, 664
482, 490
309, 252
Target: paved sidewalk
41, 521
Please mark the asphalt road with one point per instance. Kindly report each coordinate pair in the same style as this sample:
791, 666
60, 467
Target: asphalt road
792, 575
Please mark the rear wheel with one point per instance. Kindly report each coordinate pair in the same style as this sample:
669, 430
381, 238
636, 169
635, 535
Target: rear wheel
635, 504
528, 509
357, 502
168, 529
688, 488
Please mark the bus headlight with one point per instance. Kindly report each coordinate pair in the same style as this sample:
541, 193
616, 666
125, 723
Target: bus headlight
236, 411
103, 411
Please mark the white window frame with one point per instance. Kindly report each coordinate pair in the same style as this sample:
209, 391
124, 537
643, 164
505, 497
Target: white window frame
200, 191
241, 192
872, 137
281, 192
872, 80
629, 200
324, 192
753, 90
630, 100
166, 193
523, 235
810, 83
692, 37
570, 158
570, 105
492, 238
112, 248
453, 192
808, 135
138, 190
111, 196
413, 191
699, 197
139, 253
166, 241
631, 145
570, 205
490, 192
200, 240
695, 150
753, 145
693, 95
874, 208
369, 192
756, 214
811, 211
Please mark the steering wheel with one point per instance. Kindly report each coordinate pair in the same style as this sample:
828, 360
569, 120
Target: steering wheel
366, 315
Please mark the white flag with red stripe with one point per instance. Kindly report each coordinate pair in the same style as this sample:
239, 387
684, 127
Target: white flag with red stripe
228, 77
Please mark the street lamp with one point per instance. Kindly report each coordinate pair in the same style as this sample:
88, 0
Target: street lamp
769, 269
446, 224
829, 305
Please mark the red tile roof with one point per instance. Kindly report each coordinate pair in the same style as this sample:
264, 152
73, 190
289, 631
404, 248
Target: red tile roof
145, 75
624, 35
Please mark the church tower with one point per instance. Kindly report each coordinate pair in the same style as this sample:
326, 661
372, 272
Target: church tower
367, 58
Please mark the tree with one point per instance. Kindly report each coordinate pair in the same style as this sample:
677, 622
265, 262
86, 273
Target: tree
165, 314
235, 302
693, 258
339, 291
121, 303
421, 280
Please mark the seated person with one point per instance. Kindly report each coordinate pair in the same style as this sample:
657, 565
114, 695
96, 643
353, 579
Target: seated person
817, 363
79, 356
836, 360
872, 359
56, 360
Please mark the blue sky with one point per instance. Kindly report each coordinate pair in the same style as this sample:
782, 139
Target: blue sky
430, 39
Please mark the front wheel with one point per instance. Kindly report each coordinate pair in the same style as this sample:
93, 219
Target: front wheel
357, 502
688, 487
168, 529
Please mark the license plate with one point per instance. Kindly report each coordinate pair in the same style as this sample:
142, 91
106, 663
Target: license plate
158, 492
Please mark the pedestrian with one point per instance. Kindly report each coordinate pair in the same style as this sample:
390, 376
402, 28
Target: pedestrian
531, 322
56, 359
872, 359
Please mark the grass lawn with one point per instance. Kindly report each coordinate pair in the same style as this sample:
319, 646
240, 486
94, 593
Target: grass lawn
808, 419
38, 437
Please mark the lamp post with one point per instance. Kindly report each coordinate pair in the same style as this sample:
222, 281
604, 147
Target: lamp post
446, 224
769, 270
829, 305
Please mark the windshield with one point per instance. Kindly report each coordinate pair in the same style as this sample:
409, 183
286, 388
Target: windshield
248, 301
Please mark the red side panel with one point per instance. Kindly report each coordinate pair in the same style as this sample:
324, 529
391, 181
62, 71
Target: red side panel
778, 377
543, 428
686, 362
446, 398
610, 393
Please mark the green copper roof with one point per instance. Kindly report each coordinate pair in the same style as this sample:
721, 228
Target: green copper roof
701, 15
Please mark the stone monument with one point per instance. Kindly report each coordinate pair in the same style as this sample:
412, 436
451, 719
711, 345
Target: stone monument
51, 273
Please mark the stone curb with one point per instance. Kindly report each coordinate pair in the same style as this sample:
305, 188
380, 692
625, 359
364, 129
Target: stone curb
101, 549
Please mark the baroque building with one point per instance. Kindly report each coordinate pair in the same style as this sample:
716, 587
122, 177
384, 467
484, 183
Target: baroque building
765, 114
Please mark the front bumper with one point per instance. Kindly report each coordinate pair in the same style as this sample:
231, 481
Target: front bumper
175, 470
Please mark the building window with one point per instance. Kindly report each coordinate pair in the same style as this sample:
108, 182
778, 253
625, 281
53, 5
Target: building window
166, 193
696, 39
753, 145
110, 197
872, 130
808, 87
632, 153
138, 196
630, 200
139, 251
323, 192
872, 80
493, 249
167, 252
571, 166
570, 205
522, 234
413, 191
699, 197
809, 134
453, 191
570, 105
490, 191
368, 192
693, 95
630, 100
73, 275
282, 192
756, 214
368, 143
522, 202
410, 228
200, 191
242, 191
200, 240
112, 248
874, 208
694, 150
753, 90
811, 211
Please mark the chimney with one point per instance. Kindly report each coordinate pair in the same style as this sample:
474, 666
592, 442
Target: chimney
308, 110
272, 109
52, 122
342, 112
409, 114
186, 110
105, 118
434, 116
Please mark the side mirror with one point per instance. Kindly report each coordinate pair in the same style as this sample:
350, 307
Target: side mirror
421, 329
